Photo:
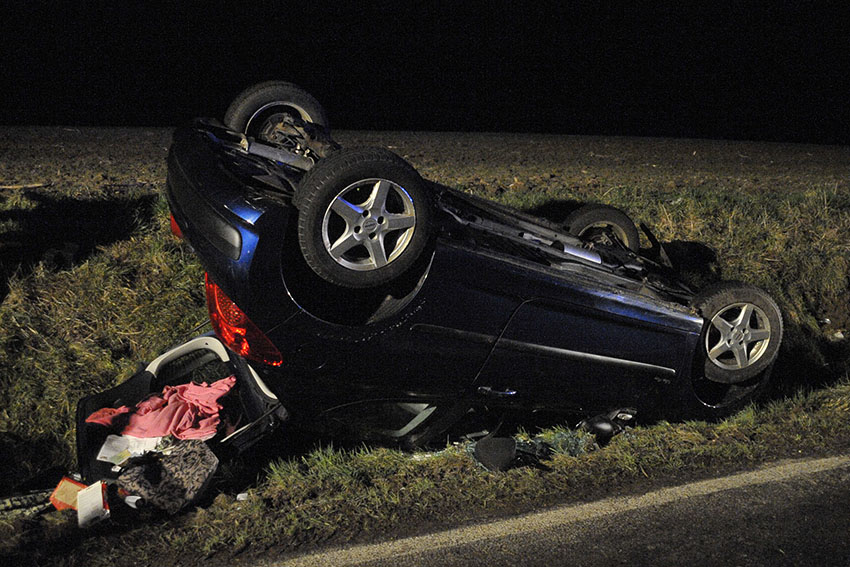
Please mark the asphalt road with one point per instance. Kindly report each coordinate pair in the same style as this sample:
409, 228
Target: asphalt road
793, 513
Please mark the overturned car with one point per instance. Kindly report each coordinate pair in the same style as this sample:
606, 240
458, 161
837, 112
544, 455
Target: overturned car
365, 297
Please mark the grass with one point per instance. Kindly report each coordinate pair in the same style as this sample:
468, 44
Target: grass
68, 332
102, 285
342, 495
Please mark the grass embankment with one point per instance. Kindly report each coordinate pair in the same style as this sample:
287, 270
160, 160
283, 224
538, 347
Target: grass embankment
94, 283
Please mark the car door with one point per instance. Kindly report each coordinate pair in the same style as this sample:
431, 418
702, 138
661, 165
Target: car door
432, 348
583, 347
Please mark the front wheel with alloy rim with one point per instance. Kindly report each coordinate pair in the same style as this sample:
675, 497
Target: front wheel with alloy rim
364, 217
739, 344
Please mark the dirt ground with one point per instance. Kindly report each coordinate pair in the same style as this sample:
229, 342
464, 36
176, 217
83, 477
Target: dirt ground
86, 160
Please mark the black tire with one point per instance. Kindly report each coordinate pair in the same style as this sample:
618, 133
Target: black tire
602, 224
743, 333
256, 109
387, 221
739, 344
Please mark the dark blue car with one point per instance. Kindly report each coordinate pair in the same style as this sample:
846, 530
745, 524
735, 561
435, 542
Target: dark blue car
368, 298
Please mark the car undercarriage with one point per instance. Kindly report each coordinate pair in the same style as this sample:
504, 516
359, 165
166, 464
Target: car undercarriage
367, 253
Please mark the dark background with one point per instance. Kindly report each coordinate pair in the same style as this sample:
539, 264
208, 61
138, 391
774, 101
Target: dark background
733, 71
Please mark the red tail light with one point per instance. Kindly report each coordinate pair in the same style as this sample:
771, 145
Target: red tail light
175, 230
233, 327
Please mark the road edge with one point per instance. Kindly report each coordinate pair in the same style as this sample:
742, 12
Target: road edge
563, 515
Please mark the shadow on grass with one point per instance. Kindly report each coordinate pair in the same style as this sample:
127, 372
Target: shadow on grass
808, 362
28, 453
62, 231
556, 210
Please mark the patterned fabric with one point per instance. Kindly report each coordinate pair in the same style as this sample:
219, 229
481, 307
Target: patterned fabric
170, 481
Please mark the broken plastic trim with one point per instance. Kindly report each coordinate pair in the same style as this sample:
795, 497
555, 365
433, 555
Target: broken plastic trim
605, 426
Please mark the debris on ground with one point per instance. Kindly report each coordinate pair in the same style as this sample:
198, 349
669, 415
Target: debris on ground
64, 496
504, 453
155, 441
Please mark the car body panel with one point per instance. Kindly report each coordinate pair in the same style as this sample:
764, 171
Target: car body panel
473, 319
447, 298
561, 354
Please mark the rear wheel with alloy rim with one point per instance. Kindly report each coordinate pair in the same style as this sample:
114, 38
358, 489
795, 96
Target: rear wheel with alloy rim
364, 217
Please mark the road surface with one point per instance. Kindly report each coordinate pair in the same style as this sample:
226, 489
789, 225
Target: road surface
792, 513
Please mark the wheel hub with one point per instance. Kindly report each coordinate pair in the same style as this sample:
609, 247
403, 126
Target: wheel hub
738, 336
369, 224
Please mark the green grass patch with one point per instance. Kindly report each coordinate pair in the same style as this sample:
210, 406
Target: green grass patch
342, 495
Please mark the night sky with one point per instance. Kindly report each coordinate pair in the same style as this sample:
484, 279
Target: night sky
730, 71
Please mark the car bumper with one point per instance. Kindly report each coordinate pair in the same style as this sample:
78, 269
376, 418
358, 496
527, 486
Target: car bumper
221, 209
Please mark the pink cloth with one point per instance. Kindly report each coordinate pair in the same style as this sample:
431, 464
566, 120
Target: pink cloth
186, 411
104, 416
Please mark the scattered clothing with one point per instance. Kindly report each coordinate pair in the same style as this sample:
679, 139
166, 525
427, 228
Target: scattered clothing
186, 411
118, 449
105, 416
169, 481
